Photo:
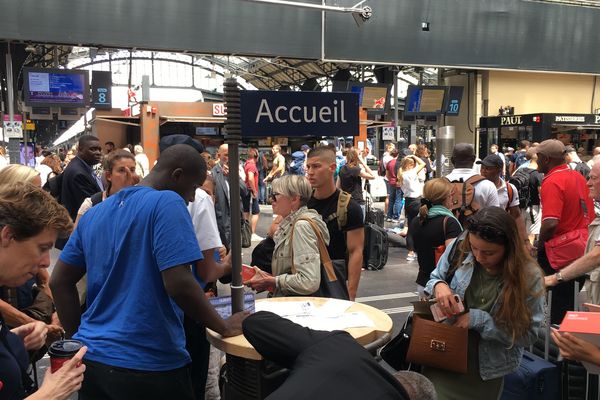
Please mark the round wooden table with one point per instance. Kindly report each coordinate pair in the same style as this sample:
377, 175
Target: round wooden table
240, 347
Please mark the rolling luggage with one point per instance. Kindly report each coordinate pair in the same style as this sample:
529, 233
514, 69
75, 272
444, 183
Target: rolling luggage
536, 377
375, 216
375, 252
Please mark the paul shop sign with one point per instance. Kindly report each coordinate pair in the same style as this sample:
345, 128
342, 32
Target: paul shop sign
279, 113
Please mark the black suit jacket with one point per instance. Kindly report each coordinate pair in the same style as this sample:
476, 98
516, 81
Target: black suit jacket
77, 184
324, 365
222, 207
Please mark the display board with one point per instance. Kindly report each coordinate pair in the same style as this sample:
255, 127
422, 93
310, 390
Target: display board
55, 87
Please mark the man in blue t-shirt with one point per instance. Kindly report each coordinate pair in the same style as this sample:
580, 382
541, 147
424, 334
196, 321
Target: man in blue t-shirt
137, 247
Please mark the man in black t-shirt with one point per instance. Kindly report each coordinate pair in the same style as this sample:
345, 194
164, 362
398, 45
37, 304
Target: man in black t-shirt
346, 233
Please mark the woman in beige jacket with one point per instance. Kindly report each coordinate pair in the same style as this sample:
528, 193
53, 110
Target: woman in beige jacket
294, 238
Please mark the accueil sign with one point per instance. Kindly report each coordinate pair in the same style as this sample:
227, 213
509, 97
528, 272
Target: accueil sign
281, 113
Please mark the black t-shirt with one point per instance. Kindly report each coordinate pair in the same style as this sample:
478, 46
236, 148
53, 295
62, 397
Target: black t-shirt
426, 238
337, 239
351, 182
535, 182
10, 373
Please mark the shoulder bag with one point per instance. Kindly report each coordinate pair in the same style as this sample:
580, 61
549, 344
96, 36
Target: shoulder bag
332, 285
562, 250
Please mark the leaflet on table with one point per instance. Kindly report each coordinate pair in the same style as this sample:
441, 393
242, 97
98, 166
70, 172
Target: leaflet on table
222, 304
341, 322
285, 308
586, 326
330, 308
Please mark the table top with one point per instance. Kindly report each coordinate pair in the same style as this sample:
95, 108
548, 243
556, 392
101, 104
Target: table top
239, 346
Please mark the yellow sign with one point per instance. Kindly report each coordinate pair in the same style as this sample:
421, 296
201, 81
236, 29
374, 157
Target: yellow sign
30, 126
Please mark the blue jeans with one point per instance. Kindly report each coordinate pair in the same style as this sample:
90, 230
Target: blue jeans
262, 192
396, 203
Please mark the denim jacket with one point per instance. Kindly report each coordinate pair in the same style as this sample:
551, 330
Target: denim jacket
498, 353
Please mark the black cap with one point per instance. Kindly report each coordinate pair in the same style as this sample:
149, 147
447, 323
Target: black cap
493, 160
171, 140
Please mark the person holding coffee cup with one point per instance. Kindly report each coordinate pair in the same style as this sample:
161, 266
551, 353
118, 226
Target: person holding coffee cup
30, 222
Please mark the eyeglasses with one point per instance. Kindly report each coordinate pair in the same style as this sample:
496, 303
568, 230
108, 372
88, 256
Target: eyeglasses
273, 196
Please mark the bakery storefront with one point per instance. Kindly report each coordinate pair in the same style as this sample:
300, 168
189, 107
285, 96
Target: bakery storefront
578, 130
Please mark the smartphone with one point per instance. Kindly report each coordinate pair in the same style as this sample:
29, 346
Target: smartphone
247, 272
438, 314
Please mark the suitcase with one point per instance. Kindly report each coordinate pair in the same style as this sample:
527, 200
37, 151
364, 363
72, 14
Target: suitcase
375, 252
535, 379
375, 216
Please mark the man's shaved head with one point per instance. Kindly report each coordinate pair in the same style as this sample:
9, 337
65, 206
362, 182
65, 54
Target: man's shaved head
325, 153
181, 169
463, 155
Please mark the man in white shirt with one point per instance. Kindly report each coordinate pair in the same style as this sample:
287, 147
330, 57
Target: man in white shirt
508, 196
463, 157
494, 150
385, 160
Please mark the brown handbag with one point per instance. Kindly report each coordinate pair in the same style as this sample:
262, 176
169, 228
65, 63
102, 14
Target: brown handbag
438, 345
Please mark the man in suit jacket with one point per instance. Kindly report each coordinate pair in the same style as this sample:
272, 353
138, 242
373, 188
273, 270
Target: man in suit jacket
220, 174
327, 365
79, 180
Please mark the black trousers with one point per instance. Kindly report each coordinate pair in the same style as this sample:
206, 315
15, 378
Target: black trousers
199, 349
104, 382
563, 294
411, 210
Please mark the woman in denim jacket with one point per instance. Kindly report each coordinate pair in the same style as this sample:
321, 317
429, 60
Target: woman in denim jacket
503, 293
289, 198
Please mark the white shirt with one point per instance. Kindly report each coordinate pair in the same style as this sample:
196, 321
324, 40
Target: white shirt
44, 171
503, 196
3, 162
202, 211
411, 184
142, 159
486, 193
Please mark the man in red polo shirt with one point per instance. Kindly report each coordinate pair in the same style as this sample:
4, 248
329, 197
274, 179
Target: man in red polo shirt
566, 207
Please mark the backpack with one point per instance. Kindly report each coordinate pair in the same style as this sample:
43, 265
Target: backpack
463, 205
520, 159
342, 210
583, 169
522, 182
54, 186
381, 168
297, 163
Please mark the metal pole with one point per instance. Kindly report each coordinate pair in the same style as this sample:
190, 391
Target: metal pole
233, 139
10, 86
396, 124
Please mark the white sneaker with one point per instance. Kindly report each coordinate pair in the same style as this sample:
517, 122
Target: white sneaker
411, 257
256, 238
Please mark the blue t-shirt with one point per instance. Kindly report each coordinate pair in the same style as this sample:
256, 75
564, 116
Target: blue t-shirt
124, 243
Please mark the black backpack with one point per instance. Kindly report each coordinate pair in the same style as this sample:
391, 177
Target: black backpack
583, 169
522, 182
54, 186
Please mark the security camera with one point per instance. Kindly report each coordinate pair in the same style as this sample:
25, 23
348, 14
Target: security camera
425, 26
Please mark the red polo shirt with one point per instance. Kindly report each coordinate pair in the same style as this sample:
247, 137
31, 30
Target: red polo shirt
561, 195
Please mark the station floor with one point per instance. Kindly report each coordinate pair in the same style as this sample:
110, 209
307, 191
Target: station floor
390, 289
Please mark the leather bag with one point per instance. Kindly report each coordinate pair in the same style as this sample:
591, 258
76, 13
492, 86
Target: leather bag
333, 282
438, 345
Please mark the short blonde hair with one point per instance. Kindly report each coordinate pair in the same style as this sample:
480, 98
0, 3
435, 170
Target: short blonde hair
14, 173
293, 185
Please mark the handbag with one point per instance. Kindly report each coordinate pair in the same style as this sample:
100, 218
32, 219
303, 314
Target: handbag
395, 351
562, 250
262, 255
439, 250
333, 284
246, 234
438, 345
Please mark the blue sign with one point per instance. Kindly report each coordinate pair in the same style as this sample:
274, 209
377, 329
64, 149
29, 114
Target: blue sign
454, 98
101, 89
280, 113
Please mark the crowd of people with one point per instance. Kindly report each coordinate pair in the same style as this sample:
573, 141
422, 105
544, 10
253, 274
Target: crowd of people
143, 247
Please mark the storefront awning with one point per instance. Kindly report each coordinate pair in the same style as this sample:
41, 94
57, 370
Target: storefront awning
199, 120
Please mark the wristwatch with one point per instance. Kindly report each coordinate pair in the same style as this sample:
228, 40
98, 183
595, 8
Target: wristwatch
559, 277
